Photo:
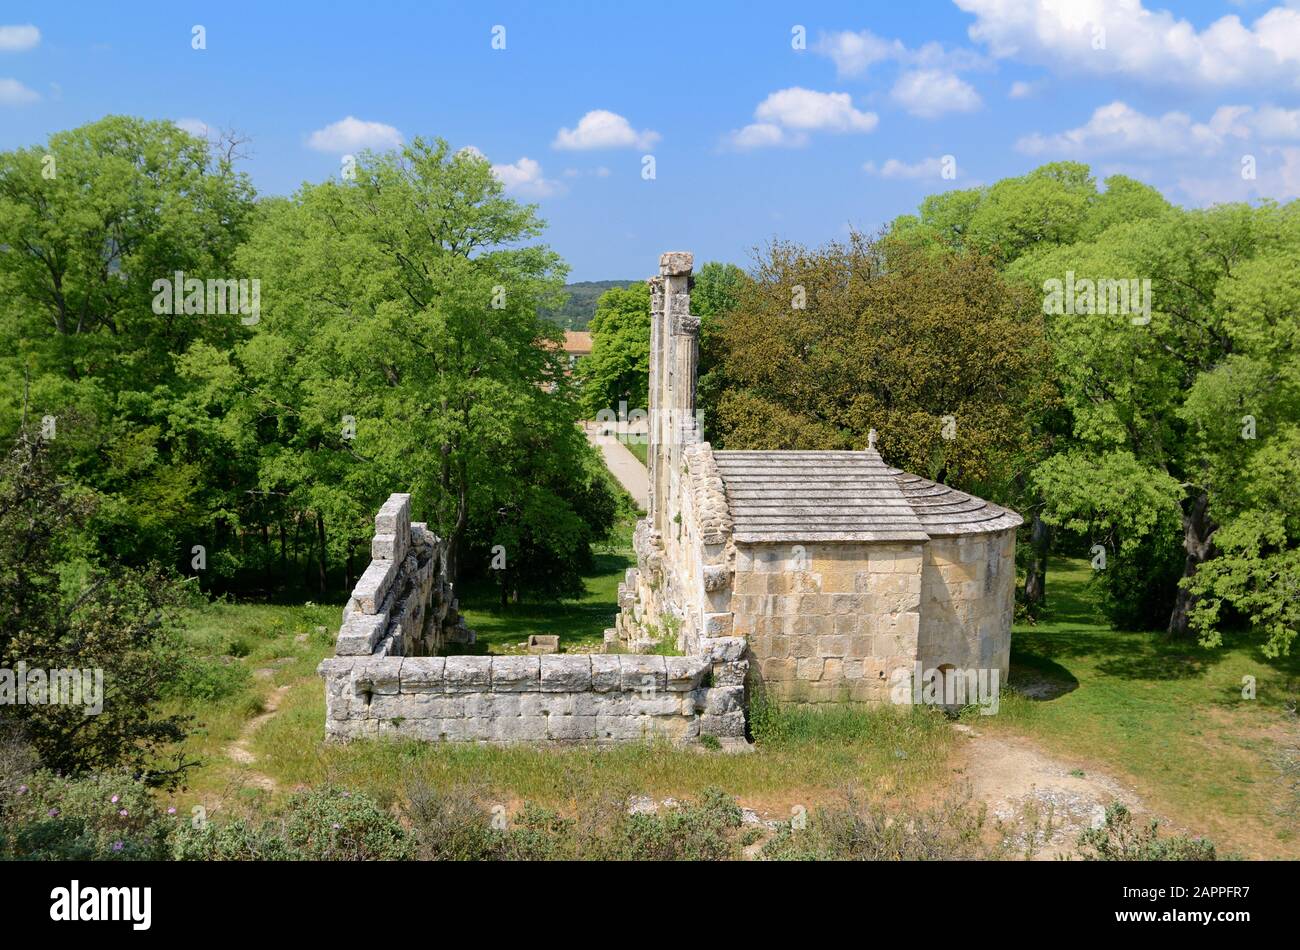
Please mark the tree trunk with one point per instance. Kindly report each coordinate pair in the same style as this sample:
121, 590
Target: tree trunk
1040, 539
320, 557
1198, 542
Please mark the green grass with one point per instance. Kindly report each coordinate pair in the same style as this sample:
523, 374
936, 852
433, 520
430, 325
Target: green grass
639, 449
800, 759
1168, 716
579, 623
881, 751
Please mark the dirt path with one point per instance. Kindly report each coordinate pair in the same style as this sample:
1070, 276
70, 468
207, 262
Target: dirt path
240, 752
625, 466
1017, 780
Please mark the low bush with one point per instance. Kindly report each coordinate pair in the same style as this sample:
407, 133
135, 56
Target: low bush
107, 816
1120, 838
856, 831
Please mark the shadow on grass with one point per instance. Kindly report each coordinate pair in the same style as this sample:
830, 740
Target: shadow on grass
580, 621
1038, 677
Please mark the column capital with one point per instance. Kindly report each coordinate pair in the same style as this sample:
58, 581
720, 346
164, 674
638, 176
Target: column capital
676, 263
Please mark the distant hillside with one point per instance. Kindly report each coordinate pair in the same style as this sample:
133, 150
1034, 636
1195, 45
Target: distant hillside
581, 306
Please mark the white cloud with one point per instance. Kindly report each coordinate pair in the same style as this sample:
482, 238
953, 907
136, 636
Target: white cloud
766, 135
472, 150
14, 93
931, 92
1023, 90
1278, 177
807, 110
196, 127
1149, 45
352, 135
895, 169
787, 116
855, 53
1118, 128
525, 178
16, 39
601, 128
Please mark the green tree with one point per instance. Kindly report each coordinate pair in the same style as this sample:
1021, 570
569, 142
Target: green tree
617, 369
400, 348
88, 222
934, 350
66, 611
1145, 390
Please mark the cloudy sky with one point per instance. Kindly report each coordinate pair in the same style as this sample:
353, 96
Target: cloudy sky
758, 119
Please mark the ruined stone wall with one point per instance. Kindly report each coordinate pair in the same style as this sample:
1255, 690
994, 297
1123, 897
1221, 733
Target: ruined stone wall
382, 680
680, 585
968, 592
554, 697
402, 605
828, 622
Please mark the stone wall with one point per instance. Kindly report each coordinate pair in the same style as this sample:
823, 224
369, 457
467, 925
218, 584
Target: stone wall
968, 594
554, 697
383, 679
828, 622
681, 584
402, 605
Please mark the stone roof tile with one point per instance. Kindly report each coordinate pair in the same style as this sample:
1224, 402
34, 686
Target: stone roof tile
845, 496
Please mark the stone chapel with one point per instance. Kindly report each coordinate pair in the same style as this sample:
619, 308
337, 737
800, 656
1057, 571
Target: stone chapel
835, 568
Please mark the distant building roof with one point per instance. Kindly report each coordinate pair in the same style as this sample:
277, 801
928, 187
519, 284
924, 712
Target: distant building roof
577, 341
845, 496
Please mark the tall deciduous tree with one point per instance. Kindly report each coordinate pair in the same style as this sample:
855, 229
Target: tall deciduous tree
400, 348
88, 222
934, 350
618, 367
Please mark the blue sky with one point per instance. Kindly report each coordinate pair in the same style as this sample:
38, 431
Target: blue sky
752, 138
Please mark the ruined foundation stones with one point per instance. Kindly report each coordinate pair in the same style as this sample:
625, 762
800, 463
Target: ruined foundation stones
383, 679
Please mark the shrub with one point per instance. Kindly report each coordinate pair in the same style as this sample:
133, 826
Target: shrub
455, 824
1120, 839
323, 824
451, 825
108, 816
859, 832
207, 679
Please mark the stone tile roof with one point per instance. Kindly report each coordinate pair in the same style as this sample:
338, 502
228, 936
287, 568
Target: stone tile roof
845, 496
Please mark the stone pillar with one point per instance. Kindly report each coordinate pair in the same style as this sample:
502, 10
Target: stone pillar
679, 353
658, 338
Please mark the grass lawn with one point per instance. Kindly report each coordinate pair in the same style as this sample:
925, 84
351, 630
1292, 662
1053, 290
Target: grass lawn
639, 449
580, 623
273, 650
1170, 718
